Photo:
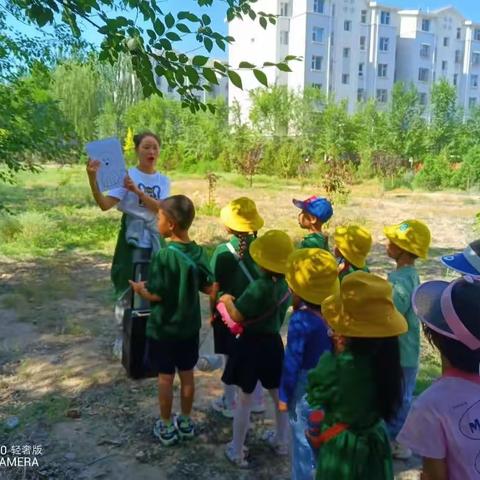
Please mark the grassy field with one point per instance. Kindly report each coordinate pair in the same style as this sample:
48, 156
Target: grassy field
56, 321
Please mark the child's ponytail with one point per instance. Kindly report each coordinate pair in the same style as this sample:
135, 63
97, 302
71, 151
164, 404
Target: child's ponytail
243, 242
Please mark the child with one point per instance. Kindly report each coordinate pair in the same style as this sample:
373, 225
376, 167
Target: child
443, 425
257, 354
233, 270
406, 242
312, 277
314, 213
176, 275
352, 246
361, 384
467, 262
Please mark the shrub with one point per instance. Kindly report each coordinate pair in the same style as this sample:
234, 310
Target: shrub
436, 173
469, 173
10, 228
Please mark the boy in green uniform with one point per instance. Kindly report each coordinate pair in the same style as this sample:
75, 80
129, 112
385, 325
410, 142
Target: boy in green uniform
176, 274
407, 241
352, 246
315, 211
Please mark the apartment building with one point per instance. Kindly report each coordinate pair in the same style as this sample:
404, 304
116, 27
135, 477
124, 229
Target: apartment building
357, 49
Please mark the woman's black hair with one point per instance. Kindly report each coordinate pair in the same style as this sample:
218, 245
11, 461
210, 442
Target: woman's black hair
388, 375
465, 301
137, 139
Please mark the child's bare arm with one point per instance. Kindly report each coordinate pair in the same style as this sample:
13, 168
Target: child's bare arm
212, 292
235, 315
140, 289
434, 469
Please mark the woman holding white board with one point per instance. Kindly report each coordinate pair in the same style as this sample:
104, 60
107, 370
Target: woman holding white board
139, 200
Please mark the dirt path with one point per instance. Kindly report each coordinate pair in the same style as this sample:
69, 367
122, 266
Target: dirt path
57, 375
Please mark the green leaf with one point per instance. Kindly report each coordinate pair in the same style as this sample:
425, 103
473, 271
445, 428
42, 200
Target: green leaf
261, 77
152, 35
165, 44
230, 15
220, 66
283, 67
169, 20
290, 57
206, 19
252, 14
174, 37
269, 64
246, 65
221, 44
172, 56
159, 27
181, 27
183, 58
199, 60
179, 77
263, 22
210, 75
188, 16
235, 79
192, 74
212, 107
208, 44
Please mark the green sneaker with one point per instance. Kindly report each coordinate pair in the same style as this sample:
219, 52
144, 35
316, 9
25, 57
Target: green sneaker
185, 427
166, 433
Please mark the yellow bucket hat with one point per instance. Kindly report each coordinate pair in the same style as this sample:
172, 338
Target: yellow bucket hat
241, 215
312, 274
271, 250
364, 308
354, 243
412, 236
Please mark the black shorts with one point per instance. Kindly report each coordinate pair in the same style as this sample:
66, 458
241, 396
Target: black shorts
167, 356
254, 358
222, 337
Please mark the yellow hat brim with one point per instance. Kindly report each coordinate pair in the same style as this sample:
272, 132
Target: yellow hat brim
238, 223
313, 295
391, 233
342, 244
348, 325
272, 266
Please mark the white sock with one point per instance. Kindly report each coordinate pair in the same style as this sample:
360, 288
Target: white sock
241, 422
281, 420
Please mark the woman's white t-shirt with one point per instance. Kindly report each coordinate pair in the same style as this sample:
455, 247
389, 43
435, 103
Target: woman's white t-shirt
154, 185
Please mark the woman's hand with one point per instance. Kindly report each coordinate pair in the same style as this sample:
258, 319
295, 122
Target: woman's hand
226, 298
92, 167
131, 186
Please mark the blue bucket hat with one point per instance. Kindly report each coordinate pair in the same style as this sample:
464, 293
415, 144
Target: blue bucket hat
466, 262
319, 207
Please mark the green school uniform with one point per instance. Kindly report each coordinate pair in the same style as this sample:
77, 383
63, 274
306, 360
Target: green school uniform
227, 271
404, 281
176, 274
344, 387
315, 240
351, 269
260, 297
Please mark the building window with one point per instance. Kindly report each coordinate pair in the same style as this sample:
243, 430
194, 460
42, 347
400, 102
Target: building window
346, 52
284, 9
384, 44
425, 25
474, 81
345, 78
284, 37
476, 34
317, 34
363, 16
422, 98
458, 56
425, 50
423, 74
472, 102
347, 25
318, 6
360, 95
459, 33
317, 85
382, 95
361, 69
455, 79
363, 42
317, 62
444, 65
382, 70
446, 41
476, 58
385, 17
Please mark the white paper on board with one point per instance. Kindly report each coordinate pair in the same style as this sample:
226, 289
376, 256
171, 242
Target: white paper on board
112, 170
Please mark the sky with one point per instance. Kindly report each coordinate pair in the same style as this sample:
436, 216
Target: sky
468, 8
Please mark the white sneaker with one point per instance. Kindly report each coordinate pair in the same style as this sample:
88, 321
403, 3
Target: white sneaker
399, 451
209, 363
220, 406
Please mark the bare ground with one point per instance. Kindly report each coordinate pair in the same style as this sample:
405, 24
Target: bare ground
71, 397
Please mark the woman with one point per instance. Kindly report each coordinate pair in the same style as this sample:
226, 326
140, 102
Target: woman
139, 200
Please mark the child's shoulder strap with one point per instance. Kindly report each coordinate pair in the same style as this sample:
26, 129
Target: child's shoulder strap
241, 263
172, 246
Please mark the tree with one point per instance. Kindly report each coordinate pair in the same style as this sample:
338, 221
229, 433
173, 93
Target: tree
129, 145
152, 44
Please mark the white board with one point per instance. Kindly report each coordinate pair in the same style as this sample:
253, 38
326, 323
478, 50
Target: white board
112, 170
